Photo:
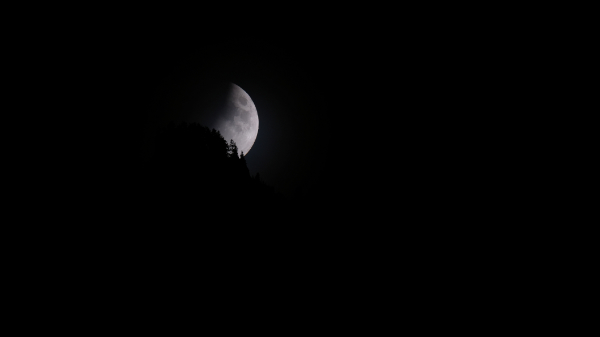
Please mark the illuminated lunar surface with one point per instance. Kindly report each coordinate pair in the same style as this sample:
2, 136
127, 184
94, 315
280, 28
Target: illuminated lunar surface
239, 119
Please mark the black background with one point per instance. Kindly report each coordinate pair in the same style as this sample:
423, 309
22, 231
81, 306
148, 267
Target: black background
373, 115
304, 87
412, 115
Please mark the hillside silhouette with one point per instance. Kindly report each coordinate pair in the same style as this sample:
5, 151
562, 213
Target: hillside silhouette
194, 173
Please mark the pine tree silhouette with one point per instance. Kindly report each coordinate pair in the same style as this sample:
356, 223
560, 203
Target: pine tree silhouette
193, 165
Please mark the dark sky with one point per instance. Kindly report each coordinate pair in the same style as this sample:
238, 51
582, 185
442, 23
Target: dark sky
152, 78
320, 97
335, 105
392, 126
291, 143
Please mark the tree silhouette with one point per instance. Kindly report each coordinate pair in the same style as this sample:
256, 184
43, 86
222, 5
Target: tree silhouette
233, 150
244, 167
194, 165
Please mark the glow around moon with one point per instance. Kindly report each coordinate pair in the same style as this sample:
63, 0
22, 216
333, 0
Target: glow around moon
239, 120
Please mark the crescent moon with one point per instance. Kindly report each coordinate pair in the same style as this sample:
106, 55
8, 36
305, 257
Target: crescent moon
239, 120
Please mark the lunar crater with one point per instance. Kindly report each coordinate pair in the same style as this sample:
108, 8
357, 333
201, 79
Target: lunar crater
239, 119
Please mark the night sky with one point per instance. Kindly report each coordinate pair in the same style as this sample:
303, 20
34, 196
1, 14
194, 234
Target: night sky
139, 81
393, 140
344, 113
290, 148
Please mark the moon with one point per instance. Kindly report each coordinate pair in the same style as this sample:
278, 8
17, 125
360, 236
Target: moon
238, 119
216, 104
